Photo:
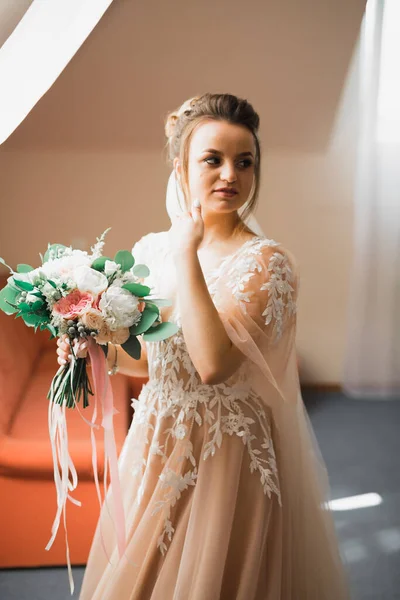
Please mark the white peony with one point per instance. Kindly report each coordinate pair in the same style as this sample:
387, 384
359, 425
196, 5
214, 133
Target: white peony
90, 280
119, 307
65, 266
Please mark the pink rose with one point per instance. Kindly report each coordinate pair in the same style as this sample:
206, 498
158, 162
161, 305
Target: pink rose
104, 335
120, 336
92, 319
73, 305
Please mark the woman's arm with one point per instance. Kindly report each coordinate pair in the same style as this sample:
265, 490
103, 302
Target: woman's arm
208, 344
126, 364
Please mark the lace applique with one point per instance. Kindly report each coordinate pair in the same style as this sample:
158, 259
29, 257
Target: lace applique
177, 484
280, 290
175, 400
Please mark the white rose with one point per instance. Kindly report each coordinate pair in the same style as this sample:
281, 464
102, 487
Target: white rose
120, 307
30, 298
48, 290
110, 267
90, 280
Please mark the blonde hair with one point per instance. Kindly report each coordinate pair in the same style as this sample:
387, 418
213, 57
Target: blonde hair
180, 125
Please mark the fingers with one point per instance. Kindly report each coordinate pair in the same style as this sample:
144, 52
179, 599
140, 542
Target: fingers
64, 352
81, 351
64, 355
196, 210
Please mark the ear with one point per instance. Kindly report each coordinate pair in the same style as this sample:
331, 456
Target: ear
177, 168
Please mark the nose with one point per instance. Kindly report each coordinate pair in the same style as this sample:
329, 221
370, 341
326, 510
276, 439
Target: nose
228, 173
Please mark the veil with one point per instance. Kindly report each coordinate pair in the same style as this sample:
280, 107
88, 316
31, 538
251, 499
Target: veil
175, 203
309, 551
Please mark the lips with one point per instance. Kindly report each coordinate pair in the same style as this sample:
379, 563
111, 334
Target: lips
230, 191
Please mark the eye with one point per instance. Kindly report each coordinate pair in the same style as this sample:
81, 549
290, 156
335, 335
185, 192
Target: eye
246, 163
243, 164
211, 158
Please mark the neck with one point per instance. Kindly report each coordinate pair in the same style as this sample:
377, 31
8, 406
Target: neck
219, 227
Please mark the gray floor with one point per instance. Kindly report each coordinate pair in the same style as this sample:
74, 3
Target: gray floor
360, 443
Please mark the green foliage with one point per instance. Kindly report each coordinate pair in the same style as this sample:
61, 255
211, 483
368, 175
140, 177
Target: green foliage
160, 302
137, 289
99, 263
125, 259
8, 296
141, 271
161, 332
52, 247
146, 321
22, 268
152, 307
132, 347
24, 285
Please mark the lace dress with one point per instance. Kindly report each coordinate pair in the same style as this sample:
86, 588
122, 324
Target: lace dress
224, 489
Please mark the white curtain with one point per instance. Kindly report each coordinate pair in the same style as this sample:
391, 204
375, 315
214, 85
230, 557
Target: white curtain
45, 39
372, 365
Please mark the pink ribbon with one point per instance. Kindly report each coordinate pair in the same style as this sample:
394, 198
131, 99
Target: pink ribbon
62, 458
103, 391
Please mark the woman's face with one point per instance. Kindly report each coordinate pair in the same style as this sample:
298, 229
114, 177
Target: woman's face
221, 156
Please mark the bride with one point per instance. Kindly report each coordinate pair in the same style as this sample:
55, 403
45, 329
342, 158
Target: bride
224, 489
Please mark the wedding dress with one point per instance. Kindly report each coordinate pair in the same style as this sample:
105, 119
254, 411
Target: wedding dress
224, 489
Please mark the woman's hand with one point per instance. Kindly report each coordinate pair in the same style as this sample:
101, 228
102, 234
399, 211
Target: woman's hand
64, 350
187, 230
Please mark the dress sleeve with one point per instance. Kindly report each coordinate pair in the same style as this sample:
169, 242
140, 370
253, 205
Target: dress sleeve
141, 254
143, 251
259, 293
138, 250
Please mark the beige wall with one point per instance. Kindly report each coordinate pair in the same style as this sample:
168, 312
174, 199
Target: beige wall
305, 202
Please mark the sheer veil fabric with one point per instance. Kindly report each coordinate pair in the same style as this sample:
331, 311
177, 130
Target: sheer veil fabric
238, 508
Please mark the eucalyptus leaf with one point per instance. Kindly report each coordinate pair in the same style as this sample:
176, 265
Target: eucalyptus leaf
125, 259
24, 307
137, 289
8, 295
160, 302
161, 332
52, 330
22, 268
11, 283
37, 304
31, 319
152, 307
53, 248
24, 285
146, 321
100, 262
132, 347
141, 271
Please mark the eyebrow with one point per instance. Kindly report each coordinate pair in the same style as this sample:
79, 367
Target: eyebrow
212, 151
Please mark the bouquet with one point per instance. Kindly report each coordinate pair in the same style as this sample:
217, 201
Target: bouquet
100, 299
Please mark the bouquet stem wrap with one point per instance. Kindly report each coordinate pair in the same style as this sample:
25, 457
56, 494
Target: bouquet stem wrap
62, 459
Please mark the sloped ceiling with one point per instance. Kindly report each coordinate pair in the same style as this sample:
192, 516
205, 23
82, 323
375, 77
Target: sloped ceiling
10, 15
289, 58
